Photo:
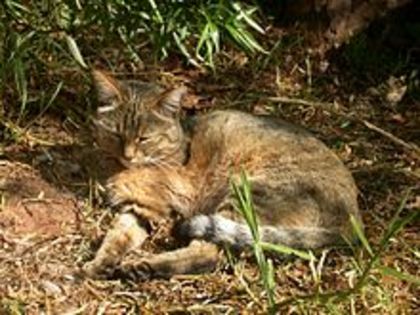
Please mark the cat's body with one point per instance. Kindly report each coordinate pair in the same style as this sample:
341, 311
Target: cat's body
302, 193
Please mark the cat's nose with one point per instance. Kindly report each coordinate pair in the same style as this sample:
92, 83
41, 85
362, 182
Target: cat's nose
129, 153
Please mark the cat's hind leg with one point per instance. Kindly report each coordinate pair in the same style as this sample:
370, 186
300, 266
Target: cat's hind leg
198, 257
125, 234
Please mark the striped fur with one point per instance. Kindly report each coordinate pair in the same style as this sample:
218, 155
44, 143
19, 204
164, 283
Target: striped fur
303, 194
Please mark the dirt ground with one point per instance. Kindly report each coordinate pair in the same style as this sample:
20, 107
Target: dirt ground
52, 219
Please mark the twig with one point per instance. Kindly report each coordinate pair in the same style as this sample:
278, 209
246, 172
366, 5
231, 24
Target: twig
96, 293
409, 146
246, 287
329, 107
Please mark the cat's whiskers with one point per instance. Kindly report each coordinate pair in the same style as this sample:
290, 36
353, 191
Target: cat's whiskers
161, 163
162, 160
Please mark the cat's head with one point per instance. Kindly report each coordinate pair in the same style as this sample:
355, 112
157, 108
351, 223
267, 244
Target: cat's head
138, 123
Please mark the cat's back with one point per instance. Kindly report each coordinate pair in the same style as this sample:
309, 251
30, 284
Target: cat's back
269, 148
233, 131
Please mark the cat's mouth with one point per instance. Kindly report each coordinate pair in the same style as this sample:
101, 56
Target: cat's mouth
125, 162
135, 162
129, 163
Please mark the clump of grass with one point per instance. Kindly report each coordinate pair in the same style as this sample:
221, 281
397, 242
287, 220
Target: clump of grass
11, 306
40, 39
366, 269
245, 206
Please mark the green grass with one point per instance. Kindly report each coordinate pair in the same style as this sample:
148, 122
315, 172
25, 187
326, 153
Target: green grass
242, 193
41, 42
12, 307
366, 269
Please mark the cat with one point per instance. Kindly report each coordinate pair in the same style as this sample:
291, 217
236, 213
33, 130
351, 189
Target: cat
303, 194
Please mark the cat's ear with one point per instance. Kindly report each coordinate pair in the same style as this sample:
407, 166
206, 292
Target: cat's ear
171, 100
110, 90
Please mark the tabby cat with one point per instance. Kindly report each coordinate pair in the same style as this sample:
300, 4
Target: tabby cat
303, 194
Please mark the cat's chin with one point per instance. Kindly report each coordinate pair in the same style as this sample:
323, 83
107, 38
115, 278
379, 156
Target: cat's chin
132, 164
128, 164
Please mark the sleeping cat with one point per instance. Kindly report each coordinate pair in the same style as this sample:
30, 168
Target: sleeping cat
303, 194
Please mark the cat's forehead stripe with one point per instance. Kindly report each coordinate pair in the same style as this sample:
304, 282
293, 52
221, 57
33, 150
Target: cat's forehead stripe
130, 120
105, 109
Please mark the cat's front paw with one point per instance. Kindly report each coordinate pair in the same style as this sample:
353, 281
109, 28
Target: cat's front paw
96, 271
135, 271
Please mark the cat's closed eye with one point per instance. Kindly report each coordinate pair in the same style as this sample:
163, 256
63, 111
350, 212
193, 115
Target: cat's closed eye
142, 139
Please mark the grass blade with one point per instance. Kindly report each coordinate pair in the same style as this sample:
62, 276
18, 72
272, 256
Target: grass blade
21, 83
359, 232
245, 15
387, 271
74, 50
397, 223
285, 250
184, 50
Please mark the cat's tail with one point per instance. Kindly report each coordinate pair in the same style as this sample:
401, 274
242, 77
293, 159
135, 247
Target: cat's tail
220, 230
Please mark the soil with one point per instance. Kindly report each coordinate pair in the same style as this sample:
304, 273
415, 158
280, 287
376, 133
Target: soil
33, 206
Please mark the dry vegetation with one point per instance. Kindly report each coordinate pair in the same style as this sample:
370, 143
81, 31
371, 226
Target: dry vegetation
365, 106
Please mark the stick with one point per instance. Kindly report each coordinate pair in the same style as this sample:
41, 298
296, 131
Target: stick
409, 146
